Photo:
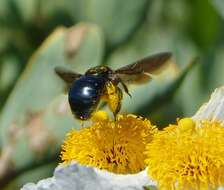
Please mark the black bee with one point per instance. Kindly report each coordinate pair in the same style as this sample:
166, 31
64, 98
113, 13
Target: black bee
101, 82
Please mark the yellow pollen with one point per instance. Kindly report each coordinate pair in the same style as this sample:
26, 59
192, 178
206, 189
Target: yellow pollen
99, 116
116, 146
113, 97
186, 124
184, 156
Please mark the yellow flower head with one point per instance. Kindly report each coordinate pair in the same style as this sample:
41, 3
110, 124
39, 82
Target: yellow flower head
116, 146
184, 156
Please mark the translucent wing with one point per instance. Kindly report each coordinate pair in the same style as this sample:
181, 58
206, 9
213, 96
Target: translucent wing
139, 71
68, 76
148, 64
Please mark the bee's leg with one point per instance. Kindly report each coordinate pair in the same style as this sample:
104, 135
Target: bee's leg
117, 106
82, 125
113, 97
114, 101
115, 116
125, 87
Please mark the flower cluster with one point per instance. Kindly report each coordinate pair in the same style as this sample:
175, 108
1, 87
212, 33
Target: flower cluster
182, 156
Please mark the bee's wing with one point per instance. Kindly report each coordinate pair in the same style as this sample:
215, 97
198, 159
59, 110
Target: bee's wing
139, 71
68, 76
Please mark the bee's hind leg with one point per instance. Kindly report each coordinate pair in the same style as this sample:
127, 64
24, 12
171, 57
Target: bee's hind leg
125, 87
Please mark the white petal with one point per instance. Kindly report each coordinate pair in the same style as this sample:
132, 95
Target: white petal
213, 109
77, 177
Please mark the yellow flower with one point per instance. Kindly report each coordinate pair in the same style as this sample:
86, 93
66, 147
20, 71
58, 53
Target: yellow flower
116, 146
185, 156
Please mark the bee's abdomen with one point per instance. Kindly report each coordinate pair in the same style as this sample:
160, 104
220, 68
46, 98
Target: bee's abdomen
84, 95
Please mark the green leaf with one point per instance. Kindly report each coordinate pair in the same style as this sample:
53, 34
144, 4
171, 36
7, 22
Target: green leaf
9, 70
117, 18
216, 78
219, 5
35, 118
205, 35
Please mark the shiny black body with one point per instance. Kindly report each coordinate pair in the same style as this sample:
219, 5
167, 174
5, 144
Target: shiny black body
84, 95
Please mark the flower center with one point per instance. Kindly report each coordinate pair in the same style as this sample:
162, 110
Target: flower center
116, 146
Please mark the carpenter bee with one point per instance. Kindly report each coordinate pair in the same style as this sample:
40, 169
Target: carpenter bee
102, 83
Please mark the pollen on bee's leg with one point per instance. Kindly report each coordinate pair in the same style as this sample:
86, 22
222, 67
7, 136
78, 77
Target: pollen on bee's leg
99, 116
